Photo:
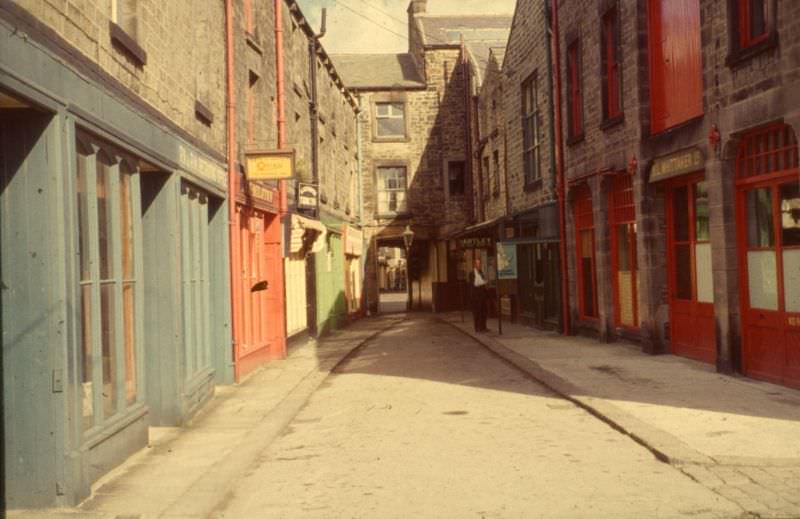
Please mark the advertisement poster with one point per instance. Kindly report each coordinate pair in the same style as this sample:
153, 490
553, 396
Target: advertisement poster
506, 260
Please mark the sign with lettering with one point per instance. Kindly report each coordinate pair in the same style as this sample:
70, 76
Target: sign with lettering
354, 241
480, 242
269, 165
194, 163
307, 195
506, 260
677, 164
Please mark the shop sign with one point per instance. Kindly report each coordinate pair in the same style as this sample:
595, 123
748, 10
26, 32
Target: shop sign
307, 195
196, 164
269, 165
506, 260
354, 241
481, 242
677, 164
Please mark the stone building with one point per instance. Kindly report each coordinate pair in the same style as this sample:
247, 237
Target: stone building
114, 238
681, 156
323, 265
417, 108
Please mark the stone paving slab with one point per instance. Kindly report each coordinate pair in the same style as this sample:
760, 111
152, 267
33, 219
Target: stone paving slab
736, 436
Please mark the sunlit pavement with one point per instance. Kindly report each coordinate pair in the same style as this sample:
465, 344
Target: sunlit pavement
424, 422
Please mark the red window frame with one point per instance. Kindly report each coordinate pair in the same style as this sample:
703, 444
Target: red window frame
746, 10
584, 223
622, 211
575, 97
612, 100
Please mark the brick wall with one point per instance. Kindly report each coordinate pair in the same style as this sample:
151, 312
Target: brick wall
185, 46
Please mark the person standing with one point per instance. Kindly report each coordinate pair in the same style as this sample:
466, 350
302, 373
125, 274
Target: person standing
477, 286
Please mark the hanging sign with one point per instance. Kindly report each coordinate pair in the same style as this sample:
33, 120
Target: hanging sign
269, 165
506, 260
307, 195
676, 164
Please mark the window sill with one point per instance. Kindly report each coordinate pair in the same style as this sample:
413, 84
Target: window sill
575, 139
738, 57
614, 121
535, 185
124, 41
391, 139
253, 43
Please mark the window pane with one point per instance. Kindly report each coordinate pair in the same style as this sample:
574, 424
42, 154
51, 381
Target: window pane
790, 214
705, 276
762, 279
683, 272
759, 218
701, 218
87, 400
791, 279
680, 213
382, 109
623, 248
397, 109
109, 355
104, 217
130, 345
83, 218
391, 127
455, 172
758, 17
126, 221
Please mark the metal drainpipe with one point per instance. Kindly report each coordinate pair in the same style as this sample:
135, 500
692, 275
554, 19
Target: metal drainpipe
233, 232
559, 153
360, 178
312, 59
281, 109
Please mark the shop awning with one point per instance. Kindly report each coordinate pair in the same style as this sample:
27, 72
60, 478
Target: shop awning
305, 234
483, 228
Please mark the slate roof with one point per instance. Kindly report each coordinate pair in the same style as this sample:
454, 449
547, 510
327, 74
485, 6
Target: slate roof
374, 71
481, 33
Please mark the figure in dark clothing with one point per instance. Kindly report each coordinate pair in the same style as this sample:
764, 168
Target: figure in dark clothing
477, 289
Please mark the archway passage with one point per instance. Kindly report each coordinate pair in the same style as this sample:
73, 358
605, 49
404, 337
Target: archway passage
768, 235
393, 289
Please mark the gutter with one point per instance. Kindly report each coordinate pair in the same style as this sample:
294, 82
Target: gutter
233, 234
559, 154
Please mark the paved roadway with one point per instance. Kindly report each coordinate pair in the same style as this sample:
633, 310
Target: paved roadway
424, 422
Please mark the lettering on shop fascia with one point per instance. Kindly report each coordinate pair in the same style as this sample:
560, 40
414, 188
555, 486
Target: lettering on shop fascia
195, 164
484, 242
676, 164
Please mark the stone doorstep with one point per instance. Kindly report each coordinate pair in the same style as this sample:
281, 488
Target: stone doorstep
664, 446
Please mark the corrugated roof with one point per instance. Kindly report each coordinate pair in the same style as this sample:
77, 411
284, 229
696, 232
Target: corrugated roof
367, 71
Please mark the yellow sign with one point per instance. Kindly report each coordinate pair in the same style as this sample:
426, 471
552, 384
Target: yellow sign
270, 165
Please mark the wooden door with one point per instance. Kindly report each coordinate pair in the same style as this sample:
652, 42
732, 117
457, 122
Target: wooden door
691, 289
768, 235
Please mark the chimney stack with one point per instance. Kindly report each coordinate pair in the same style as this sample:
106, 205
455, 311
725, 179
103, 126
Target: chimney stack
417, 7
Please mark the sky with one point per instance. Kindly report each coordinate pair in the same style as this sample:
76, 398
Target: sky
381, 25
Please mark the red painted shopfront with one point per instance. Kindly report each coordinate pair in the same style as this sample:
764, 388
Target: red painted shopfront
691, 289
768, 235
624, 265
258, 309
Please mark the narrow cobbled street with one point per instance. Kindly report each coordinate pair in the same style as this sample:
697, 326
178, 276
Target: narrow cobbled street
422, 421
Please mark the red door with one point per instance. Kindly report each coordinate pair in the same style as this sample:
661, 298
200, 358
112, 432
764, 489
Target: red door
768, 234
691, 289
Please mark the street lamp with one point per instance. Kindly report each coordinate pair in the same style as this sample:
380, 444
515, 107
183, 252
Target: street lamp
408, 239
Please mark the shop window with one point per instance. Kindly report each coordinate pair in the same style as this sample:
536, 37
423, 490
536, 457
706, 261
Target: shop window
392, 190
675, 61
530, 132
390, 120
455, 178
693, 276
610, 61
585, 258
574, 92
623, 251
107, 190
